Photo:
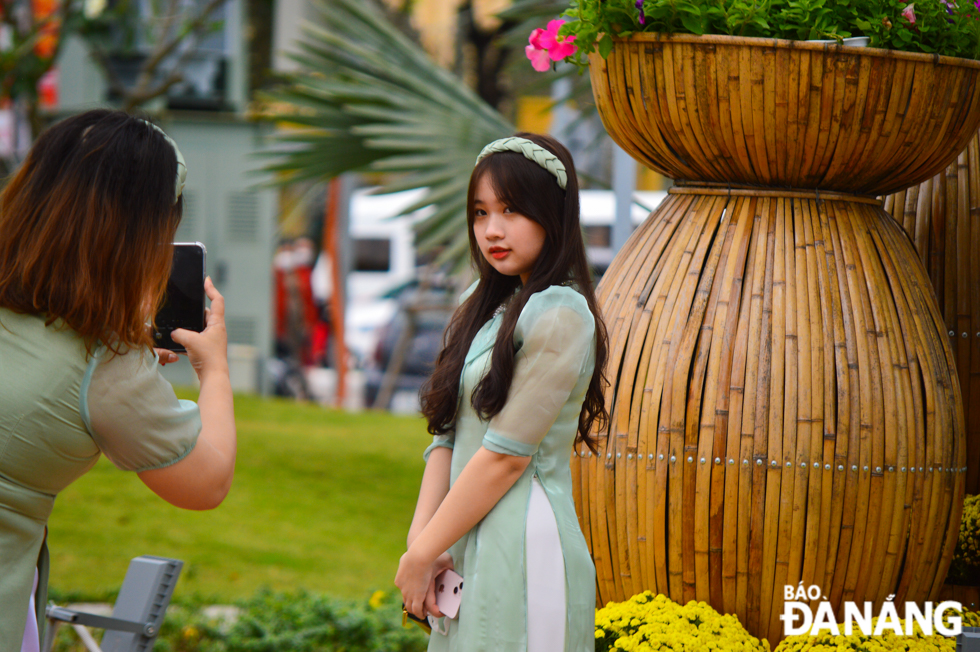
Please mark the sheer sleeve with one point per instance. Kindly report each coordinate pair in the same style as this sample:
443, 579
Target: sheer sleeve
555, 333
439, 441
134, 416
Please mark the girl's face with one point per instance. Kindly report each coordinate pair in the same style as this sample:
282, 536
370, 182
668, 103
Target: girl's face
510, 242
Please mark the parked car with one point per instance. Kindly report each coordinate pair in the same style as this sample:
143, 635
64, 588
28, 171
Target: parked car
418, 325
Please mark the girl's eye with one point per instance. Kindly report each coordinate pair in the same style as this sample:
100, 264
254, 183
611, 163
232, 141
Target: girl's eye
508, 209
479, 212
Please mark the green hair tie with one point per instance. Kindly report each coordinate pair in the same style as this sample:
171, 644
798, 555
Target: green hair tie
181, 166
532, 152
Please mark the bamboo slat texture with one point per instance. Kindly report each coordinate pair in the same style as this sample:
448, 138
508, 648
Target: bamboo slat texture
968, 596
783, 405
940, 215
786, 113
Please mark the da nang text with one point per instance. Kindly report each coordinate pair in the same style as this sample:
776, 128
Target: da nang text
799, 617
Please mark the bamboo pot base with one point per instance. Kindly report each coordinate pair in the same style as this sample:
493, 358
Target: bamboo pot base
783, 408
939, 216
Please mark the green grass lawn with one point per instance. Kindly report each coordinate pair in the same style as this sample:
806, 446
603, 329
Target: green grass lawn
322, 500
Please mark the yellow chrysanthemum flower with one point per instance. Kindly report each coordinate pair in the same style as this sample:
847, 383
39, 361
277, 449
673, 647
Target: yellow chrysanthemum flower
888, 641
966, 558
647, 622
376, 599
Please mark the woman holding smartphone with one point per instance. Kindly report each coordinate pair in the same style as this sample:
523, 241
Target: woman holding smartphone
85, 227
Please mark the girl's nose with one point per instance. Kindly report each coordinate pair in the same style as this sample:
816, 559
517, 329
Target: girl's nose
494, 227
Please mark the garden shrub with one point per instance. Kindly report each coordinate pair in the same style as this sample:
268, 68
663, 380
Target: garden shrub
282, 622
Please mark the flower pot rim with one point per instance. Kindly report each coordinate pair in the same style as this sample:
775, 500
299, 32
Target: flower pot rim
787, 44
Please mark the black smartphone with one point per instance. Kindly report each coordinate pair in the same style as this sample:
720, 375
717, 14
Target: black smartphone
185, 301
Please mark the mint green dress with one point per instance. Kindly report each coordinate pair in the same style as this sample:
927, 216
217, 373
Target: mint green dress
555, 342
59, 409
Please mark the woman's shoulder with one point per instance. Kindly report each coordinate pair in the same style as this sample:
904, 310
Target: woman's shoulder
45, 340
127, 360
467, 292
555, 297
558, 296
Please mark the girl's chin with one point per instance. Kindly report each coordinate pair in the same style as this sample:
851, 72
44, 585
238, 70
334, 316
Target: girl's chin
506, 270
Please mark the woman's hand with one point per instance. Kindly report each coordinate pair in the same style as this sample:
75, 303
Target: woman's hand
207, 350
441, 563
415, 580
166, 356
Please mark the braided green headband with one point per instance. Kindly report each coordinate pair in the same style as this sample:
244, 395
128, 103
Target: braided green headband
181, 166
532, 152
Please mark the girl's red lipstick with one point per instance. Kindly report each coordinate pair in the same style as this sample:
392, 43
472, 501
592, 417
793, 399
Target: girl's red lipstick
498, 252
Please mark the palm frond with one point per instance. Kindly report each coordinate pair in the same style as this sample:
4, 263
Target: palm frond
367, 98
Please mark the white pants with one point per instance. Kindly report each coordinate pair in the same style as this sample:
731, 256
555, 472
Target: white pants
31, 642
545, 575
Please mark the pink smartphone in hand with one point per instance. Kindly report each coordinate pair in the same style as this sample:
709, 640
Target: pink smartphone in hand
449, 591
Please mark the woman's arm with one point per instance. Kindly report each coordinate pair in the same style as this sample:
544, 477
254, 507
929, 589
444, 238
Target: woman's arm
435, 486
481, 484
202, 479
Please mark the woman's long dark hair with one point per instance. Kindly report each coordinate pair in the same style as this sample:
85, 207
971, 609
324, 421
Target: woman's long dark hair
534, 193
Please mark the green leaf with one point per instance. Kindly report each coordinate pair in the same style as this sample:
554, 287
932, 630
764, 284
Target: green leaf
692, 24
605, 46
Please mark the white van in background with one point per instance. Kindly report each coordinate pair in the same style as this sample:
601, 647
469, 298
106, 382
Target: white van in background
383, 256
382, 259
598, 214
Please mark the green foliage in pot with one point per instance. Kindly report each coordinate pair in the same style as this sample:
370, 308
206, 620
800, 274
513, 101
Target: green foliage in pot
946, 27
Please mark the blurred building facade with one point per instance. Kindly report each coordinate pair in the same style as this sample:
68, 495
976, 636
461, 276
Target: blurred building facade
224, 205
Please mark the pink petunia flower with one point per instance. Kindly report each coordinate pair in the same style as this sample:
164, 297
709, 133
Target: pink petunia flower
540, 60
909, 13
535, 38
558, 47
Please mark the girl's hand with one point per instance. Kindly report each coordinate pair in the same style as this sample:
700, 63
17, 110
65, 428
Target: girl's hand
414, 580
207, 350
441, 563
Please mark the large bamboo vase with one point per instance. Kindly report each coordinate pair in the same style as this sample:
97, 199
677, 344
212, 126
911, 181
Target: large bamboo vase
784, 405
940, 215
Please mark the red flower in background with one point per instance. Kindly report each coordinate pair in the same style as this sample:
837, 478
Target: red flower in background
47, 41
